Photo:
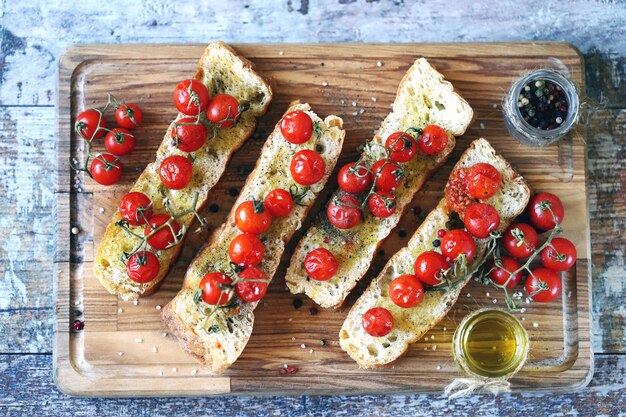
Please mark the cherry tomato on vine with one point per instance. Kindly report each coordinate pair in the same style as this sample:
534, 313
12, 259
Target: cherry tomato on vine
251, 217
382, 204
191, 97
128, 115
500, 275
296, 127
344, 211
223, 110
377, 322
162, 239
106, 169
561, 256
483, 180
246, 250
458, 242
406, 291
390, 175
433, 140
320, 264
429, 267
188, 135
402, 146
90, 124
520, 240
481, 219
307, 167
279, 202
353, 179
176, 171
545, 284
216, 288
135, 208
252, 288
142, 267
540, 214
119, 141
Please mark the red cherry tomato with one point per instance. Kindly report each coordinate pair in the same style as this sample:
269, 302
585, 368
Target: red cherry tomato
561, 256
128, 115
543, 285
516, 247
296, 127
119, 141
135, 208
382, 204
377, 322
279, 202
354, 180
252, 288
344, 211
481, 219
106, 169
142, 267
176, 172
457, 242
216, 288
307, 167
223, 110
539, 213
429, 267
406, 291
402, 145
246, 250
320, 264
433, 140
483, 180
251, 217
500, 275
390, 175
90, 124
188, 135
191, 97
162, 239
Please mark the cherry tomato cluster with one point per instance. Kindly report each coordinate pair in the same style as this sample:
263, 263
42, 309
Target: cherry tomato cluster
307, 166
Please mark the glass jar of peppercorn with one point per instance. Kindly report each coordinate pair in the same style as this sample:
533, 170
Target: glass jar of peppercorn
541, 108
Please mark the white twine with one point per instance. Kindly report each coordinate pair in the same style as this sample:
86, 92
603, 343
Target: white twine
465, 386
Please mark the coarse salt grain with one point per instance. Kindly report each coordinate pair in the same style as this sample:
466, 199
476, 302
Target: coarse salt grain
495, 105
290, 319
523, 318
154, 349
77, 302
160, 373
281, 53
488, 294
120, 353
101, 209
495, 301
523, 310
303, 346
434, 347
432, 337
379, 64
158, 307
468, 295
75, 230
293, 339
174, 370
194, 371
120, 310
324, 84
164, 334
445, 329
482, 125
355, 113
535, 324
135, 302
311, 351
438, 367
354, 104
139, 340
373, 99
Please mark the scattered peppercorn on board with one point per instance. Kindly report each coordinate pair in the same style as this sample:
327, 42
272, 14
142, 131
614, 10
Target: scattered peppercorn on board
123, 349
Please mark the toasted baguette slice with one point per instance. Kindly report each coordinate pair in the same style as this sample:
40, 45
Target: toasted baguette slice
219, 349
423, 98
222, 71
412, 323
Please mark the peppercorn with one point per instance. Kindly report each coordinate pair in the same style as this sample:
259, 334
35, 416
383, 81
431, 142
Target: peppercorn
402, 233
313, 311
297, 303
214, 208
78, 325
437, 242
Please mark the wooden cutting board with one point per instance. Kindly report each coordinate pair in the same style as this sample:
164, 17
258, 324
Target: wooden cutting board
123, 350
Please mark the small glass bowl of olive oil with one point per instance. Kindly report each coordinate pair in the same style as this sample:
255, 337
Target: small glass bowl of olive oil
490, 343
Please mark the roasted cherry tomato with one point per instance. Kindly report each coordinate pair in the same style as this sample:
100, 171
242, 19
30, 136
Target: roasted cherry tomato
307, 167
433, 140
223, 110
353, 179
128, 115
539, 211
320, 264
296, 127
483, 180
481, 219
500, 275
142, 267
278, 202
402, 146
176, 172
251, 217
561, 256
457, 242
188, 135
135, 208
106, 169
254, 285
344, 211
520, 240
119, 141
377, 322
246, 250
90, 124
429, 267
162, 239
382, 204
191, 97
390, 175
406, 291
216, 289
543, 285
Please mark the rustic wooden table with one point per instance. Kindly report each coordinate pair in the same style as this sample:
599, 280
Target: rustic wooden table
34, 34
